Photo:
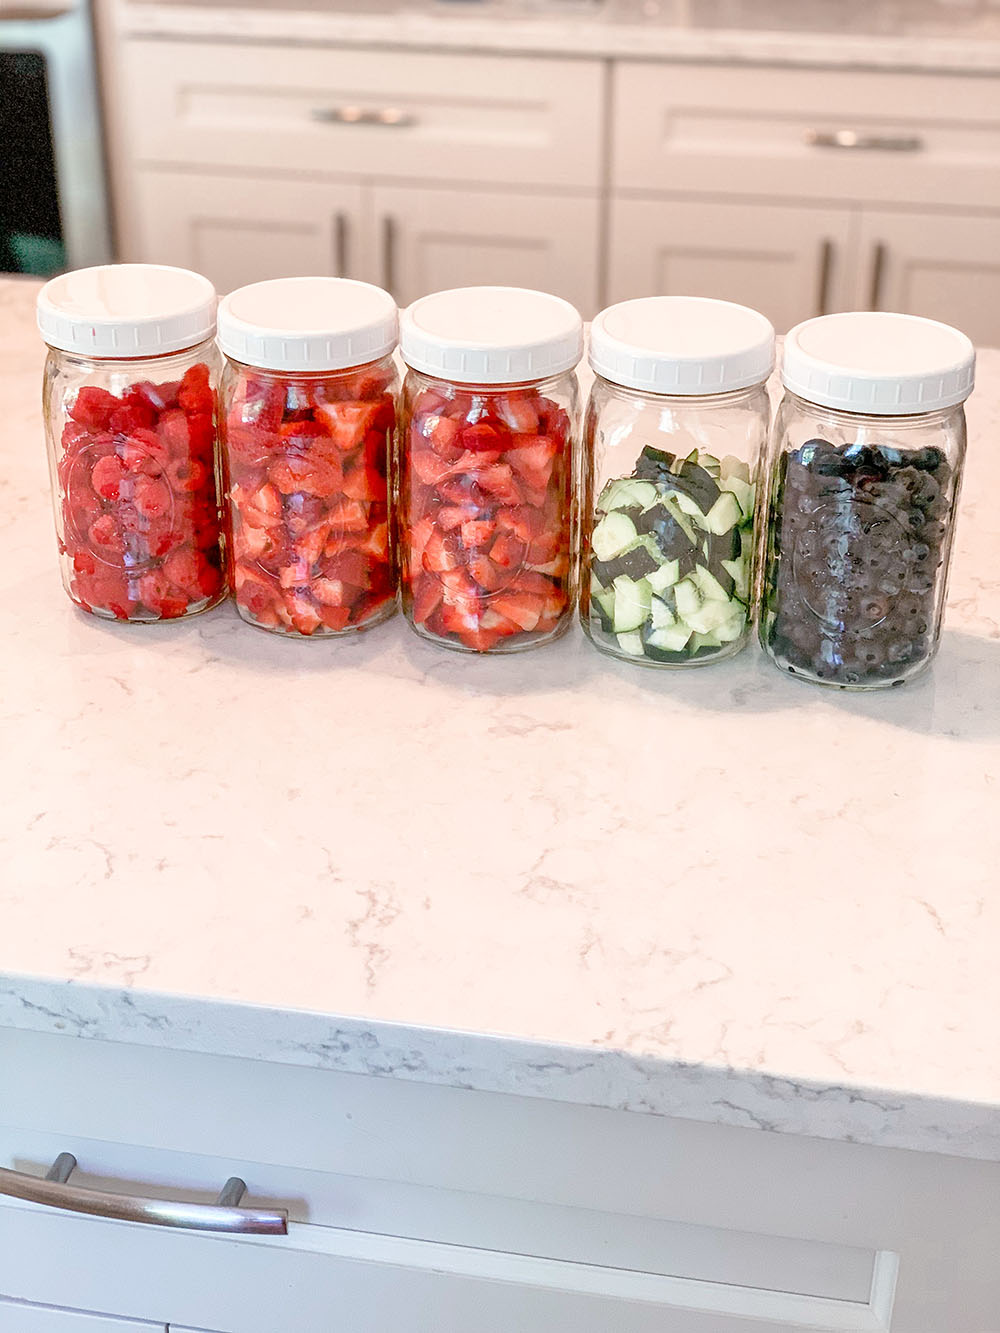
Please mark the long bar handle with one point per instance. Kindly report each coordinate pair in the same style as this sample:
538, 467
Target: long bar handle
340, 245
386, 117
54, 1190
879, 256
389, 254
825, 274
869, 143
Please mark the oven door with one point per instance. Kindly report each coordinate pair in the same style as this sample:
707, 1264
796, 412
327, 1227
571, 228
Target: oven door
53, 191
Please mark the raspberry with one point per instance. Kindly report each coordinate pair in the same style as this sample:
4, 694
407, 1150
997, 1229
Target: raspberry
152, 498
106, 477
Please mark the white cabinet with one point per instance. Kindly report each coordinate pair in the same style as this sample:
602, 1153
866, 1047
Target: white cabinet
805, 191
940, 265
240, 229
786, 261
25, 1317
433, 239
412, 170
416, 1207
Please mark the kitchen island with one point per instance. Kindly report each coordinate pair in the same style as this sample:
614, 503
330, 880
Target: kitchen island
721, 917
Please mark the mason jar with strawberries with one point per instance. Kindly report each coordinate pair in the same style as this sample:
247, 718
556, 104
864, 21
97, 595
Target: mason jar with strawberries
308, 411
487, 467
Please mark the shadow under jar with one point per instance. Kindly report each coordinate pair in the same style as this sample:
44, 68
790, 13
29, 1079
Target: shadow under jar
308, 400
676, 422
130, 417
487, 468
864, 475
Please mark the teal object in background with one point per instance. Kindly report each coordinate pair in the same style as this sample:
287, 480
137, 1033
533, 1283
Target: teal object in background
41, 256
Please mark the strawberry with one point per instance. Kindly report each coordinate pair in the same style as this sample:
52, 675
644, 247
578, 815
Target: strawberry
428, 466
477, 532
532, 460
498, 481
346, 422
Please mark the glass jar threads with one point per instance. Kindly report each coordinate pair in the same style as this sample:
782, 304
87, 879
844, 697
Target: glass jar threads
675, 425
865, 468
487, 467
129, 405
308, 412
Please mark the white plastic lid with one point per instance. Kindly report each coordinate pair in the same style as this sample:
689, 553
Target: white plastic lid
686, 345
308, 324
491, 335
126, 310
873, 362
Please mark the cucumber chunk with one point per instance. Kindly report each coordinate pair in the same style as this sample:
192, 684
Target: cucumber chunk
724, 514
627, 493
670, 639
666, 576
742, 490
632, 601
660, 615
631, 644
613, 535
688, 598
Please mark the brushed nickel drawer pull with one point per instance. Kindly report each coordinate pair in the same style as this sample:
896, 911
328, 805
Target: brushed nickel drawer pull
386, 117
878, 143
54, 1190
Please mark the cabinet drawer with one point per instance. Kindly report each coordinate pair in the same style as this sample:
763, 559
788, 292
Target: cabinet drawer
393, 114
481, 1211
24, 1317
754, 132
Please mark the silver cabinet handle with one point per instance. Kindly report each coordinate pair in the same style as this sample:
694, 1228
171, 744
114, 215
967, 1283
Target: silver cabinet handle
879, 256
875, 143
223, 1215
825, 272
340, 256
389, 254
386, 117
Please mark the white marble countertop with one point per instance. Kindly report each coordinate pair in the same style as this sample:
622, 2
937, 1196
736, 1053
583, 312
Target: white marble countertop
876, 34
719, 894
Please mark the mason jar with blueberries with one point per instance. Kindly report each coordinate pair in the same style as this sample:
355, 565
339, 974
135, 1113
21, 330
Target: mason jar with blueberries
865, 466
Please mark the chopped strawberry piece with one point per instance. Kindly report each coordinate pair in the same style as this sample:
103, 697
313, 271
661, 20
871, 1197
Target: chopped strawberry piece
311, 476
508, 551
483, 437
347, 422
477, 532
427, 599
428, 466
498, 481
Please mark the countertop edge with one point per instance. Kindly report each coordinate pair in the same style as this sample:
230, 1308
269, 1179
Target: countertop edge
911, 52
510, 1065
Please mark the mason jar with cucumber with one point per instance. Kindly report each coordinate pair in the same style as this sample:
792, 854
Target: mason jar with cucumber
676, 423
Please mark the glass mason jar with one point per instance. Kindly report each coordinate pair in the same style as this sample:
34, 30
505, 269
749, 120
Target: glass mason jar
487, 468
308, 409
676, 422
864, 473
129, 406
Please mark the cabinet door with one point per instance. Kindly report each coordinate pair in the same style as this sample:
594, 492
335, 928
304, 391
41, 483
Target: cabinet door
789, 263
244, 229
24, 1317
433, 239
943, 266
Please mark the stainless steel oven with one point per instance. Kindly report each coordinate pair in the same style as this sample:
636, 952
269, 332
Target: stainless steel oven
53, 192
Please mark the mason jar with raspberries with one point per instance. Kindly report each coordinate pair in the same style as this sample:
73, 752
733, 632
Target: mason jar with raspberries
487, 467
865, 467
308, 411
129, 405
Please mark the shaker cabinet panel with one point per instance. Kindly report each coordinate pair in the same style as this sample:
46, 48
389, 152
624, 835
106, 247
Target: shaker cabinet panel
406, 114
433, 239
943, 266
241, 229
24, 1317
809, 134
788, 262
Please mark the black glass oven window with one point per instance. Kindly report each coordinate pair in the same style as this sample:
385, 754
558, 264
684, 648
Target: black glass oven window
31, 239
